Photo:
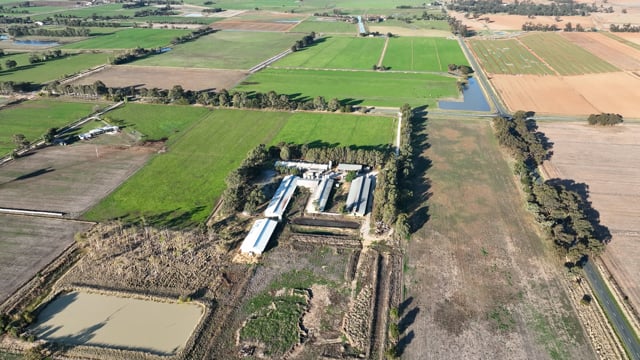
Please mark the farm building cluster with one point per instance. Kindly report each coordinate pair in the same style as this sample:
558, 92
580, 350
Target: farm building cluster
319, 179
99, 131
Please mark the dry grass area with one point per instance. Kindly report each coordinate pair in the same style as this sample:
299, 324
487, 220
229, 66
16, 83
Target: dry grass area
480, 283
253, 26
165, 77
68, 179
607, 159
570, 95
615, 52
502, 22
633, 37
27, 244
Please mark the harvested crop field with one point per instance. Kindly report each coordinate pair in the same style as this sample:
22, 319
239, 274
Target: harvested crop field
28, 243
632, 37
480, 283
570, 95
129, 39
508, 56
68, 179
615, 52
165, 77
81, 318
607, 159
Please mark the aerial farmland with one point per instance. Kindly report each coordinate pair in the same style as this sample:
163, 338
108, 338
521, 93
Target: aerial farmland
264, 180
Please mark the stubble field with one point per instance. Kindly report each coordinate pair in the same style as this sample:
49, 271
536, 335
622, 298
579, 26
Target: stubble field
617, 53
607, 159
480, 283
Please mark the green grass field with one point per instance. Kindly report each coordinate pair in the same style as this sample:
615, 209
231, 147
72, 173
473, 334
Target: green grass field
337, 130
423, 54
225, 50
416, 24
50, 70
564, 56
34, 118
157, 122
508, 57
196, 163
129, 39
335, 27
335, 52
365, 87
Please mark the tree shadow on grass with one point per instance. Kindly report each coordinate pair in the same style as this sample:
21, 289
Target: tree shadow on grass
172, 219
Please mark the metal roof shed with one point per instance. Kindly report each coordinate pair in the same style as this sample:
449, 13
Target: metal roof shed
349, 167
258, 237
354, 193
281, 199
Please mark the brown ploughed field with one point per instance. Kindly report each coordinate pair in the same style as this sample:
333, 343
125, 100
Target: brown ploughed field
607, 159
480, 283
165, 77
252, 25
68, 179
614, 52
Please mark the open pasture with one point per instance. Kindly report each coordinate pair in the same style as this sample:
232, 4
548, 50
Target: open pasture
480, 283
27, 244
225, 50
310, 6
33, 118
82, 318
322, 25
180, 187
564, 56
335, 52
50, 70
607, 159
129, 39
355, 87
507, 57
260, 21
68, 179
618, 54
423, 54
338, 130
165, 77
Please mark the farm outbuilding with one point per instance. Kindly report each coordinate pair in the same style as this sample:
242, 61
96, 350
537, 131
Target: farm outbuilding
349, 167
258, 237
280, 200
321, 194
358, 197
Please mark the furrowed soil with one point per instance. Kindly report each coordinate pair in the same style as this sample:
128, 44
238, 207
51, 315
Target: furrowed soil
607, 159
479, 282
68, 179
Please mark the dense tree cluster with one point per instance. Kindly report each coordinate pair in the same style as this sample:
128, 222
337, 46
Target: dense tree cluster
604, 119
10, 87
624, 28
458, 28
165, 11
46, 56
304, 42
212, 10
562, 211
239, 186
132, 55
17, 31
193, 35
530, 26
15, 20
569, 8
460, 69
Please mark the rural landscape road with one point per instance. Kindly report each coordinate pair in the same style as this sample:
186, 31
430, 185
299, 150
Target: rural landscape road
613, 312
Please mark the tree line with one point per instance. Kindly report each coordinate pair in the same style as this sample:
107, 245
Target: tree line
35, 58
604, 119
17, 31
530, 26
624, 28
563, 213
523, 8
193, 35
458, 28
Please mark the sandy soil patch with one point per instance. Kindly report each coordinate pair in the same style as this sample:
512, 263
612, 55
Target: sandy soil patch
401, 31
502, 22
607, 159
80, 318
165, 77
29, 243
615, 52
570, 95
633, 37
70, 178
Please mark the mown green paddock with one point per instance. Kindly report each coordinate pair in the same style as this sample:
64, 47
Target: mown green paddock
225, 50
214, 143
129, 39
423, 54
508, 57
564, 56
368, 88
336, 52
50, 70
416, 24
325, 26
33, 118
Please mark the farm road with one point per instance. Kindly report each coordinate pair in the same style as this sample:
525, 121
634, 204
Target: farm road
616, 317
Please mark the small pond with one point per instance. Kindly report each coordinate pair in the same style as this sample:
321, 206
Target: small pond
474, 99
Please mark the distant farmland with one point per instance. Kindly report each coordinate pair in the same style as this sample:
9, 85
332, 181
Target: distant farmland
129, 39
356, 87
50, 70
423, 54
508, 57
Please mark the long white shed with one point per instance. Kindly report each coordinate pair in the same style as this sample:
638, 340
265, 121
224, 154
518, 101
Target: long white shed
258, 237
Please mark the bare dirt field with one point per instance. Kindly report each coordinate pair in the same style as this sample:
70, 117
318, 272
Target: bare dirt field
68, 179
29, 243
401, 31
501, 22
165, 77
480, 283
607, 159
570, 95
615, 52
